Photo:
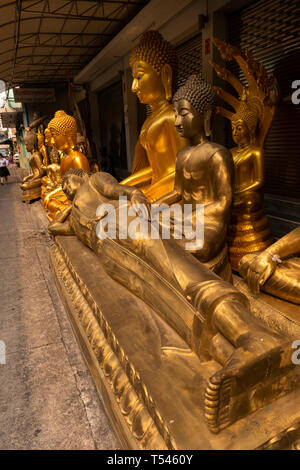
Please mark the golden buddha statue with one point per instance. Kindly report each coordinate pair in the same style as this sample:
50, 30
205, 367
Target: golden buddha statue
249, 230
44, 142
196, 340
42, 147
53, 172
272, 274
204, 176
154, 67
63, 129
31, 184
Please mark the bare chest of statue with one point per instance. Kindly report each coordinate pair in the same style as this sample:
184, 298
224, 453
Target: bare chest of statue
195, 175
155, 138
244, 165
35, 163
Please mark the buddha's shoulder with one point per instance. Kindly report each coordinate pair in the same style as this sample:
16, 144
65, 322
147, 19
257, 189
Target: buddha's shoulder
36, 155
79, 160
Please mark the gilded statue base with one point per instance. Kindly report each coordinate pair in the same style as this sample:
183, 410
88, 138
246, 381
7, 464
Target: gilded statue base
154, 387
30, 194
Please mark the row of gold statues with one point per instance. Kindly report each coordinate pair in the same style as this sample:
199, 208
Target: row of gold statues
175, 162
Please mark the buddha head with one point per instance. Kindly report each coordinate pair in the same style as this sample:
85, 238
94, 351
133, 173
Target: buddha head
154, 67
194, 105
30, 141
63, 129
244, 123
72, 180
48, 137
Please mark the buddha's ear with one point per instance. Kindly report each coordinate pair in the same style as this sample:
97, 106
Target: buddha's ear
167, 78
71, 141
207, 122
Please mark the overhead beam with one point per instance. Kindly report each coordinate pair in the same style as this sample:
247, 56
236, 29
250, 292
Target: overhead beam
66, 16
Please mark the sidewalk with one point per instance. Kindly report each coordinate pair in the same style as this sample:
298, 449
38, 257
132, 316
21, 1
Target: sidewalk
47, 397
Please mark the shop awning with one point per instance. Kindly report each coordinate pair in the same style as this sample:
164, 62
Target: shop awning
48, 41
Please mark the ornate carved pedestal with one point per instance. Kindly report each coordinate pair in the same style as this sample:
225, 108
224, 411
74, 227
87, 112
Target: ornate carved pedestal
152, 384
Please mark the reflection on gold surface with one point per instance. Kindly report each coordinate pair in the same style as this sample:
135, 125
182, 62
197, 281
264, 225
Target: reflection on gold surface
253, 113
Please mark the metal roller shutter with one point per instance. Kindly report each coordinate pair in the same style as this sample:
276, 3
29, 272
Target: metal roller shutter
189, 60
270, 29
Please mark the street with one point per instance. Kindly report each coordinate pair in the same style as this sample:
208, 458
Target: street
47, 397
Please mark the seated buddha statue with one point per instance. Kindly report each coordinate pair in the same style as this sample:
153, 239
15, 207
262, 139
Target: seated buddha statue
63, 129
154, 67
270, 272
248, 230
53, 172
31, 184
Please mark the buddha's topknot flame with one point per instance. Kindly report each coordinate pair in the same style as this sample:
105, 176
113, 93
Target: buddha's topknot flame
198, 93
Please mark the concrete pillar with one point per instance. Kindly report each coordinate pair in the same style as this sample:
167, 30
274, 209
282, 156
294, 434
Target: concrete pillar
95, 121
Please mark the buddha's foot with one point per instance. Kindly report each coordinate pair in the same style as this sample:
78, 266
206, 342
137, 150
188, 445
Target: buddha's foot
246, 383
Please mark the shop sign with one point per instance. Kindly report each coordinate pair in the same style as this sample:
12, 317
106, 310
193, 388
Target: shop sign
34, 95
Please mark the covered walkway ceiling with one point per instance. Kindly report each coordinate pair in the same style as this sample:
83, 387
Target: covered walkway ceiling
48, 41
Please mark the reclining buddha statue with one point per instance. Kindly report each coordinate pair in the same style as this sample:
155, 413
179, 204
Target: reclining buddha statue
249, 230
154, 69
244, 365
63, 129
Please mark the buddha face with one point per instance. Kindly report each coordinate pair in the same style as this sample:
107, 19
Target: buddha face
62, 142
30, 142
240, 132
147, 83
188, 121
70, 185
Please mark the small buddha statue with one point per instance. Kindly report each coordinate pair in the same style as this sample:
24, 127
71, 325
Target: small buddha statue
270, 272
249, 230
31, 184
42, 147
63, 129
53, 172
154, 67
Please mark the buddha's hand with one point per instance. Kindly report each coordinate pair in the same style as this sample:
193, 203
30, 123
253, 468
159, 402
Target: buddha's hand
257, 270
137, 197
